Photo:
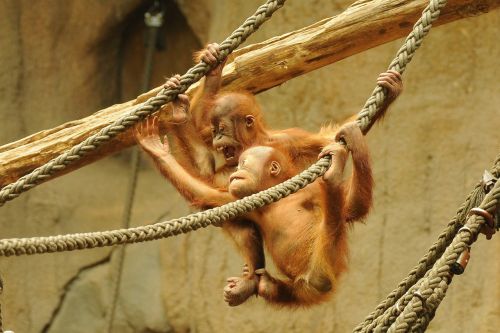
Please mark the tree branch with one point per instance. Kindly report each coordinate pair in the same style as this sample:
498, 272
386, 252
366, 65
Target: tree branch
256, 68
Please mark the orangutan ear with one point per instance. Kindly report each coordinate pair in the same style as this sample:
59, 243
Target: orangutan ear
249, 120
275, 168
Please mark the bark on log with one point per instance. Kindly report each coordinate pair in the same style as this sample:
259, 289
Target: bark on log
256, 68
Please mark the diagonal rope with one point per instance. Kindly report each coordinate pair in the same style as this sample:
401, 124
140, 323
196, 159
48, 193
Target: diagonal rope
389, 309
153, 20
366, 118
440, 275
371, 109
51, 168
385, 311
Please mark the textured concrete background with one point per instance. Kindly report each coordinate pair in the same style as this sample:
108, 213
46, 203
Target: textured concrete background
62, 60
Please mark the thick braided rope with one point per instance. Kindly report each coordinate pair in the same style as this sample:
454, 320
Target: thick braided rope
38, 245
386, 312
432, 304
49, 169
404, 55
372, 106
442, 269
192, 222
437, 291
383, 322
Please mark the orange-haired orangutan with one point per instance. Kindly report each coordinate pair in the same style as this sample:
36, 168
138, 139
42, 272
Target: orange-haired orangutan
226, 123
221, 127
304, 233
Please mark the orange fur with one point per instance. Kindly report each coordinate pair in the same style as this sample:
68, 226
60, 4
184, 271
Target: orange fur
301, 148
220, 120
306, 233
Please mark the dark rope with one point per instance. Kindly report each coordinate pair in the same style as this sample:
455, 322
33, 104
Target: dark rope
153, 19
1, 291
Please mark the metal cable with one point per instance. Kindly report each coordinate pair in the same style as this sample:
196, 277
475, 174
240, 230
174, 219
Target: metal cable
153, 20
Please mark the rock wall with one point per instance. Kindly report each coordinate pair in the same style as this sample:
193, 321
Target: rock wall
62, 60
428, 153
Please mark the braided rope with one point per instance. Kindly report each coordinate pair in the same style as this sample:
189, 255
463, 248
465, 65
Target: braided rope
165, 95
385, 312
390, 309
441, 272
370, 111
383, 322
366, 118
432, 303
432, 289
38, 245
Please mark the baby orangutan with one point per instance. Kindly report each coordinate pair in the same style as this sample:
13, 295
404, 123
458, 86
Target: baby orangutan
206, 150
305, 233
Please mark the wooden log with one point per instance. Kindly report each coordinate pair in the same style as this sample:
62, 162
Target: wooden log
256, 68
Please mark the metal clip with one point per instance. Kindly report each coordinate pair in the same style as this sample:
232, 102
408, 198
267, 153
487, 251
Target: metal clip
420, 297
154, 16
398, 307
153, 20
488, 181
458, 267
487, 228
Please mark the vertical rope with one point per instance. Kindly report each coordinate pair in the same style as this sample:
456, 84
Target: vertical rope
1, 292
153, 20
119, 253
1, 320
54, 166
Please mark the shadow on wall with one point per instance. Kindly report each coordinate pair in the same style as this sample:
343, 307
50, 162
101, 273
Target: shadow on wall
176, 43
140, 306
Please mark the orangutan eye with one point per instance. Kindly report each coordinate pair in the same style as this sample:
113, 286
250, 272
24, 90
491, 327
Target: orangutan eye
241, 164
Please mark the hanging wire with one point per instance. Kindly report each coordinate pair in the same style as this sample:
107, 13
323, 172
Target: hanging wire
153, 19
